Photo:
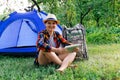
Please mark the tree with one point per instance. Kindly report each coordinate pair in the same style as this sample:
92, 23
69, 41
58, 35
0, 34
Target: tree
83, 8
9, 6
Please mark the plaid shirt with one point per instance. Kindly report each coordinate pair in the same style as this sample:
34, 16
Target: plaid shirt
43, 42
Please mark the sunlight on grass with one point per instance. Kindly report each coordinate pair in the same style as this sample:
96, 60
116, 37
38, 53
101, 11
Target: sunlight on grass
106, 49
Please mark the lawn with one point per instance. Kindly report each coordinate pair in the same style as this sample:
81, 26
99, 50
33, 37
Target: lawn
103, 64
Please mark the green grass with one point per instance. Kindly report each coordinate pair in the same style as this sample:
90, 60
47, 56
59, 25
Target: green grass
103, 64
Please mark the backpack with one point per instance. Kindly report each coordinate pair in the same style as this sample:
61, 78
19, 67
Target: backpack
76, 35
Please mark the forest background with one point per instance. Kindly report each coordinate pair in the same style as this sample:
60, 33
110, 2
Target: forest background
101, 18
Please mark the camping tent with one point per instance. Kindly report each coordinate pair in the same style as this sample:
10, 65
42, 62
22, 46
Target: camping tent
18, 33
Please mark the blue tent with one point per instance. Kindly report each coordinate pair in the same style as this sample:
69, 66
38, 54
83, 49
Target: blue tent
18, 33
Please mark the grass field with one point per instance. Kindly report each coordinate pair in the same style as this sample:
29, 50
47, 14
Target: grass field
103, 64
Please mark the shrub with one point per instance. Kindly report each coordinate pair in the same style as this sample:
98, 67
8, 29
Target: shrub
103, 35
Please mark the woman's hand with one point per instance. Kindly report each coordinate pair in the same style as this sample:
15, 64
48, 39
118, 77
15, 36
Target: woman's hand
59, 50
76, 49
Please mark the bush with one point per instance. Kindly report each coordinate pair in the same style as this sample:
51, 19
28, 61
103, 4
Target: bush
103, 35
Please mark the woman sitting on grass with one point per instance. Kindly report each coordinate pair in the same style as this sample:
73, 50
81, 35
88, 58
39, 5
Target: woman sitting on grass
48, 45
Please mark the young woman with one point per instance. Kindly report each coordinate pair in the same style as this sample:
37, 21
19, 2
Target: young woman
49, 46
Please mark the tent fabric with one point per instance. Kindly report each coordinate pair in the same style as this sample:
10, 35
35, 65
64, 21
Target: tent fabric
18, 33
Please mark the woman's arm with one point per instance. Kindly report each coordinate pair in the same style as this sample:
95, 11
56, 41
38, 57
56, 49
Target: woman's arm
41, 45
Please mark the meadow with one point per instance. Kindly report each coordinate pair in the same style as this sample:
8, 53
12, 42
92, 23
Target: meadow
103, 64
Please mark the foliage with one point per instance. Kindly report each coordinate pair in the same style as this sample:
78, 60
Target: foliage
103, 14
103, 35
103, 64
71, 12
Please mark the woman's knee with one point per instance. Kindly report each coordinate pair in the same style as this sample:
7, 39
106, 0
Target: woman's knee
74, 53
42, 60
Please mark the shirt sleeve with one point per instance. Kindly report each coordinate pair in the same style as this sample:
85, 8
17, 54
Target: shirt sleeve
41, 45
63, 40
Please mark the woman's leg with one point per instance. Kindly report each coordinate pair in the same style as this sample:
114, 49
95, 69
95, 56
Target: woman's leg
42, 60
67, 61
64, 59
54, 58
47, 57
62, 56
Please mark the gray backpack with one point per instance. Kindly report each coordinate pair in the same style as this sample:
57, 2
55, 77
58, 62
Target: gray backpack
77, 35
